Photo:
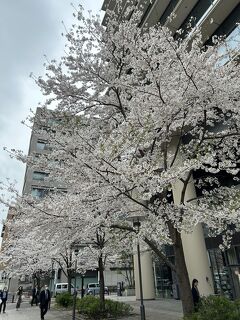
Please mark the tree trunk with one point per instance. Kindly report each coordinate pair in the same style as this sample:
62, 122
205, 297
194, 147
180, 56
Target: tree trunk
69, 280
101, 282
38, 283
179, 267
182, 276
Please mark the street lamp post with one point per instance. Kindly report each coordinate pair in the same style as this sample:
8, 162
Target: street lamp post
136, 223
9, 282
76, 251
52, 278
82, 286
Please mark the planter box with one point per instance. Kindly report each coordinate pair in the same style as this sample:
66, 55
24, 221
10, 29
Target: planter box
129, 292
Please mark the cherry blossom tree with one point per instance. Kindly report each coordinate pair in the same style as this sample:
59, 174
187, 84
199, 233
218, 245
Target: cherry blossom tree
145, 114
50, 231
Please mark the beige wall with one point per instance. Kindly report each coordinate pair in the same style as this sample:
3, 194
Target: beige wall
194, 247
112, 277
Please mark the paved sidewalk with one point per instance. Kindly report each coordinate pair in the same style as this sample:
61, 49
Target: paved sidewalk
164, 309
28, 313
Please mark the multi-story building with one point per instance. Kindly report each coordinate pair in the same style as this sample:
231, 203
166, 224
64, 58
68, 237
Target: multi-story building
36, 183
4, 234
5, 278
216, 271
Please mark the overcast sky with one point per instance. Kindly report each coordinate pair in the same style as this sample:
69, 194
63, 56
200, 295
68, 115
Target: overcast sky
29, 29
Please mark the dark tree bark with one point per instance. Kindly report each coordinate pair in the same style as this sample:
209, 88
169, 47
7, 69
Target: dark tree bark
183, 278
69, 280
179, 267
101, 282
181, 271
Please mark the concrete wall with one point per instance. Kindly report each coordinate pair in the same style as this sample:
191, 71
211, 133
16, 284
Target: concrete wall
112, 277
194, 247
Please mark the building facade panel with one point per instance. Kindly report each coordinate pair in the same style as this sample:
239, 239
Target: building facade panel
220, 18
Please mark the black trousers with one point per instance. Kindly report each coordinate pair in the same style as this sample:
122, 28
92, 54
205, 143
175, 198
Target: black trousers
44, 309
34, 300
19, 301
4, 305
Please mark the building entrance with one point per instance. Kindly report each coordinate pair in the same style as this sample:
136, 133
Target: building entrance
165, 279
226, 271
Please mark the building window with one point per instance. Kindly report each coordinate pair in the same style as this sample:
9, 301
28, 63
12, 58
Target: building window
55, 163
230, 48
3, 230
39, 192
41, 145
53, 121
221, 273
39, 175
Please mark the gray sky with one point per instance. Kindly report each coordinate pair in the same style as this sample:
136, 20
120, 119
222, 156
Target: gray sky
29, 29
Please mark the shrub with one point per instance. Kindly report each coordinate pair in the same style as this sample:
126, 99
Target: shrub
237, 305
117, 309
216, 308
90, 306
64, 299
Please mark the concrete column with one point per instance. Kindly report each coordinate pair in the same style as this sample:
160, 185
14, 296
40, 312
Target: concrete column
147, 275
194, 246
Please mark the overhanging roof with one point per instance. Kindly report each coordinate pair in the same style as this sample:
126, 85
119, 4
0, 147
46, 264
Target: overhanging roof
214, 16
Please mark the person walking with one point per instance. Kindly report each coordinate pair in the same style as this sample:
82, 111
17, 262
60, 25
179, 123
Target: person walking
195, 294
34, 296
19, 297
44, 300
3, 297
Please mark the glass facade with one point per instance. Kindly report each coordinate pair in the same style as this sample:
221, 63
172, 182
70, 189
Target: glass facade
230, 48
222, 284
225, 267
226, 271
165, 278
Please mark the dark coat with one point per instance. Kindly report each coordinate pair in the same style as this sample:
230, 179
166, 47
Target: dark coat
43, 299
34, 292
195, 295
1, 296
